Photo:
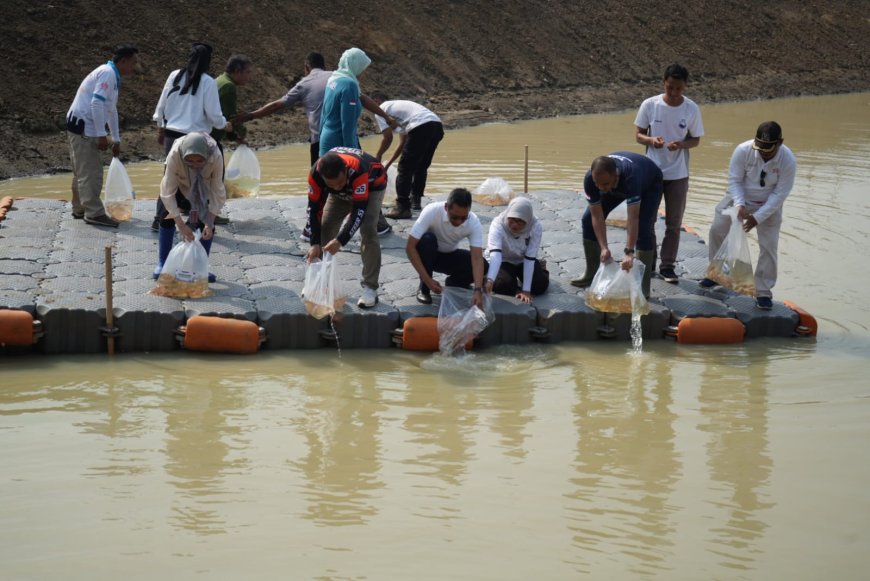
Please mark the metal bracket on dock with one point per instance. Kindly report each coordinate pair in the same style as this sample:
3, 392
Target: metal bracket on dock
110, 331
329, 335
606, 332
539, 333
38, 332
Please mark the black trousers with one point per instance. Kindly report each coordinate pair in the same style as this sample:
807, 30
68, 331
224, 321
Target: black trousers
456, 264
510, 277
415, 161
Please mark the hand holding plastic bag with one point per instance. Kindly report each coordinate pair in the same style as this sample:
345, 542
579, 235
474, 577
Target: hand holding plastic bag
119, 192
242, 173
322, 290
732, 265
615, 290
185, 272
493, 192
459, 321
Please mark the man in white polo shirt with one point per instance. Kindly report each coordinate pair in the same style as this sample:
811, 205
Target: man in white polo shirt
433, 246
669, 125
94, 108
420, 131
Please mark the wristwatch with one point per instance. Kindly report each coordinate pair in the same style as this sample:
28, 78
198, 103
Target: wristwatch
628, 251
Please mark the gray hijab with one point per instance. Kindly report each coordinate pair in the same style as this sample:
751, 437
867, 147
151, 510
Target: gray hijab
196, 144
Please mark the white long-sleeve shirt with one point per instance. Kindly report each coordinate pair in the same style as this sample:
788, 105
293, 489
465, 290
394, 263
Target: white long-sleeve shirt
96, 102
502, 246
188, 113
744, 179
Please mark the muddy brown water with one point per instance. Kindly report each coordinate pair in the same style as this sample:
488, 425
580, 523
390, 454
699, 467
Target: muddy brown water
549, 462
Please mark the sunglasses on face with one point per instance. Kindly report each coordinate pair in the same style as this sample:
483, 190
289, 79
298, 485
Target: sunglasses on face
762, 176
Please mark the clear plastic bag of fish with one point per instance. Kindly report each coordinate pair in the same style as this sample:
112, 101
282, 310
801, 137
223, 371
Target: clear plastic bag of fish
618, 216
614, 290
322, 290
119, 192
493, 192
242, 178
185, 272
732, 265
460, 321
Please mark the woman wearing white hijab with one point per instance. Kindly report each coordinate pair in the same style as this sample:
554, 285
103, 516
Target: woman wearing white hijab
512, 251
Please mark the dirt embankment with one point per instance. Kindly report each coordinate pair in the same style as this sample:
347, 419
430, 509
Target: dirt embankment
471, 62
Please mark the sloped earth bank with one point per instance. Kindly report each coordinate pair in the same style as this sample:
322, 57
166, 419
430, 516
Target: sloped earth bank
472, 62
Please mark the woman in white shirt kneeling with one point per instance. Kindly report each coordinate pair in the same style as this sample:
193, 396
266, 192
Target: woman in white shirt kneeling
512, 251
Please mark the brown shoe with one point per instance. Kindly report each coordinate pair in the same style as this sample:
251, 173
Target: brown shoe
399, 213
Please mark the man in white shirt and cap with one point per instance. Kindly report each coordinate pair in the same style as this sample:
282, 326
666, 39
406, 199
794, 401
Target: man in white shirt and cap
760, 177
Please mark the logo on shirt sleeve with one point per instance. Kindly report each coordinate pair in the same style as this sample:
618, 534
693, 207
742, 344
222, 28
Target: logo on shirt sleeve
360, 189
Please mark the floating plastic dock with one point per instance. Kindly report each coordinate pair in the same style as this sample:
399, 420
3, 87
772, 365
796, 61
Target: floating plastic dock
53, 268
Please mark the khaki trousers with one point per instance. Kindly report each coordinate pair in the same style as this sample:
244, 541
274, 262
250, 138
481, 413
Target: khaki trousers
87, 182
334, 214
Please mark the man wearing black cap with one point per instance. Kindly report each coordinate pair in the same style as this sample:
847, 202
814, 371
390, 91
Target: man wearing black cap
760, 177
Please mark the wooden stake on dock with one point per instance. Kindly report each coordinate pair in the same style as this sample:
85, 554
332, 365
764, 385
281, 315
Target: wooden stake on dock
110, 316
526, 172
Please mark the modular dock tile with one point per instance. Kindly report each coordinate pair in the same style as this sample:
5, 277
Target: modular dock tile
147, 322
288, 325
567, 317
18, 300
71, 323
372, 328
221, 306
695, 306
22, 267
513, 321
653, 325
780, 321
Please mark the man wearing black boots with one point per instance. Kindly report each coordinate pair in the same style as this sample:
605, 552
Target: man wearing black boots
193, 182
637, 180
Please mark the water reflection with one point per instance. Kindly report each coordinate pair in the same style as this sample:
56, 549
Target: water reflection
199, 440
626, 463
340, 428
734, 404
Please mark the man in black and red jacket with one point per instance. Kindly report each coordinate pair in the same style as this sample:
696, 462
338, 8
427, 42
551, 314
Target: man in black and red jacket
348, 181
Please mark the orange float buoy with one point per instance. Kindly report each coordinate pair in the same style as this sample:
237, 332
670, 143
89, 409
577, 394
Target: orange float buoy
710, 330
16, 328
219, 335
807, 324
421, 334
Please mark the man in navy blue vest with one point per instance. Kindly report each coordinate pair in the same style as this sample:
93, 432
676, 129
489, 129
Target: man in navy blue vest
636, 180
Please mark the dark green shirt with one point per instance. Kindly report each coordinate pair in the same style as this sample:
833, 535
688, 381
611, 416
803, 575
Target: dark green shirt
229, 107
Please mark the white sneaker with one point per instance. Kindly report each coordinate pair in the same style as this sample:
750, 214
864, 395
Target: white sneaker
368, 298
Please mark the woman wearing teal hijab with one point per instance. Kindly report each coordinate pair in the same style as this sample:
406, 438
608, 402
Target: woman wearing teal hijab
342, 104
